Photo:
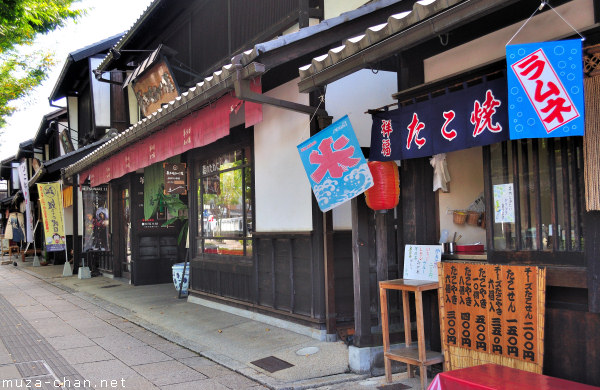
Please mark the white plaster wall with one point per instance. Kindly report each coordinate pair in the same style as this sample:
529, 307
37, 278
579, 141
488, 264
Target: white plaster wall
353, 95
134, 109
68, 220
73, 122
282, 190
334, 8
101, 96
466, 173
543, 27
69, 216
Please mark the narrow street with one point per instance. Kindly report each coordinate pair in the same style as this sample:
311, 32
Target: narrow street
53, 339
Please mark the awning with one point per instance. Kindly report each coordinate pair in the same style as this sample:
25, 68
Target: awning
141, 146
53, 166
402, 31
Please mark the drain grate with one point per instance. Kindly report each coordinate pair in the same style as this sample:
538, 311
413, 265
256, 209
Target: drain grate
110, 285
272, 364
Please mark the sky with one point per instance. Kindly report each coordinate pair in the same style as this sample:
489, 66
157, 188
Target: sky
104, 19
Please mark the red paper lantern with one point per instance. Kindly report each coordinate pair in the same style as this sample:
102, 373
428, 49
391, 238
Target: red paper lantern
385, 192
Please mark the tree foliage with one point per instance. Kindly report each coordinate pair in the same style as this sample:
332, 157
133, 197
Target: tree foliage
21, 21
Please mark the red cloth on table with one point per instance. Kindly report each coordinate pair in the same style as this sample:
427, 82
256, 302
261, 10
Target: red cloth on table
495, 377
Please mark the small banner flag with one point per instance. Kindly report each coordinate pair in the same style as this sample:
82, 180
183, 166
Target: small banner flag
545, 89
52, 216
335, 166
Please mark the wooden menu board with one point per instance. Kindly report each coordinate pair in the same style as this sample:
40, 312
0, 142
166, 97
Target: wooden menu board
492, 314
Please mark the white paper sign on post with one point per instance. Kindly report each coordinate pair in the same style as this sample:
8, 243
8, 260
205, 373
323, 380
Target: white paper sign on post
420, 262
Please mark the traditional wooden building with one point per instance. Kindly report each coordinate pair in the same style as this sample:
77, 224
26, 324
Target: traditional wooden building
257, 239
447, 46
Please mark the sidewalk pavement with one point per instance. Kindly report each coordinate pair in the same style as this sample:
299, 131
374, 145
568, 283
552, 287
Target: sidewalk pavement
227, 339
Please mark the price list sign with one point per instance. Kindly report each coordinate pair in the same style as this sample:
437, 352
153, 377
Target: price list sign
492, 314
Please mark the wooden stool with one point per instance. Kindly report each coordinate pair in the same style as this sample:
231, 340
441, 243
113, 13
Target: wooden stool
13, 249
412, 353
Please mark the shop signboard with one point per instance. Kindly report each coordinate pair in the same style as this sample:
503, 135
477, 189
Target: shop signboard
472, 116
95, 218
52, 216
65, 140
335, 166
155, 87
545, 85
175, 178
492, 313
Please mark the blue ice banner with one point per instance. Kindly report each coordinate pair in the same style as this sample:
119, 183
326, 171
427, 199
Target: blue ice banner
472, 116
335, 166
545, 89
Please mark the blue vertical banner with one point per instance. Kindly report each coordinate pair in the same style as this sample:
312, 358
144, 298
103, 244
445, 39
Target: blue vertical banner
335, 166
545, 89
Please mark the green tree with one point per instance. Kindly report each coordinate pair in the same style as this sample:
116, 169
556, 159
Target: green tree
20, 22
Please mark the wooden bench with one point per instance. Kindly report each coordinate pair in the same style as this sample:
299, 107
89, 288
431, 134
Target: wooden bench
6, 247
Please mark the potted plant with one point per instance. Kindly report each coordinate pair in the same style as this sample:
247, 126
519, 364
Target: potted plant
180, 211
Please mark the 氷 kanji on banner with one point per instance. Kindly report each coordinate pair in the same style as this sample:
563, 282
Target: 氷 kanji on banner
335, 165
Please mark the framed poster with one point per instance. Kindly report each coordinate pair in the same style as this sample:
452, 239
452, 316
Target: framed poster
95, 218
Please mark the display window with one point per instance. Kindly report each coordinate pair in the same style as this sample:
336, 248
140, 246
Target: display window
225, 200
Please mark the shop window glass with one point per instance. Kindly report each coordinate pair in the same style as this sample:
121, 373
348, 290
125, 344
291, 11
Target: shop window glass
225, 204
537, 190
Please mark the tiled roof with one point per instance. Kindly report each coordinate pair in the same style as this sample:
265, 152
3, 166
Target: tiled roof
396, 23
211, 88
428, 19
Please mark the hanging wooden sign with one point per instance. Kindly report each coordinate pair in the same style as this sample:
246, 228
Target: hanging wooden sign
492, 314
155, 87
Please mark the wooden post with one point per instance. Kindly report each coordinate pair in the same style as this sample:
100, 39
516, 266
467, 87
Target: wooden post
76, 240
381, 244
385, 332
592, 250
327, 235
360, 272
381, 247
328, 257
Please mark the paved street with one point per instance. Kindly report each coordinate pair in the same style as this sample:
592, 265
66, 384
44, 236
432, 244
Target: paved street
52, 339
105, 333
